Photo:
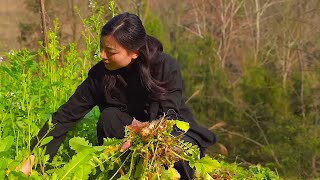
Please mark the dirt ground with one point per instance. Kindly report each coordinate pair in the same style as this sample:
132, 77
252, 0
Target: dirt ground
12, 12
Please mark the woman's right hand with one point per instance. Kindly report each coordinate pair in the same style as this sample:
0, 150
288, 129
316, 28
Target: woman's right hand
27, 165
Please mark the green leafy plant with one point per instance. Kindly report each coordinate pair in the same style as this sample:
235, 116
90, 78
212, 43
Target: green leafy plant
148, 151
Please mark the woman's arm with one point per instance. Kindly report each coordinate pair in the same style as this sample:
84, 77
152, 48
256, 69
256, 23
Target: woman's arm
171, 74
174, 106
79, 104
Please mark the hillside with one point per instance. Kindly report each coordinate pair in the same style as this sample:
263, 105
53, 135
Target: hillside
12, 12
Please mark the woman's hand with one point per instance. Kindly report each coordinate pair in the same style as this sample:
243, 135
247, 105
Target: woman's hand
135, 126
27, 165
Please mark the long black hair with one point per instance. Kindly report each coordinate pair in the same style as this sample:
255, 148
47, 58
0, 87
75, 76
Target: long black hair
127, 30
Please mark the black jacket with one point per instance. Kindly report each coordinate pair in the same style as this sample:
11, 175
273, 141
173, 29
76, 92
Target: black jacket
129, 96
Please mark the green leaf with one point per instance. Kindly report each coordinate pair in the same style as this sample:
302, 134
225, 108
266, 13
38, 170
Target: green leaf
45, 159
10, 73
111, 141
78, 144
99, 162
3, 163
140, 169
21, 124
133, 161
17, 175
83, 172
170, 124
46, 140
54, 176
35, 175
2, 174
76, 162
98, 148
205, 165
207, 177
171, 174
126, 177
184, 126
6, 143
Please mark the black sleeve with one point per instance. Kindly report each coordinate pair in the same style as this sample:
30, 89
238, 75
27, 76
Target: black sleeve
174, 106
171, 74
79, 104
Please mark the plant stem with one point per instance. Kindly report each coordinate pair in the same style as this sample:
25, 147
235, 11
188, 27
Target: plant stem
120, 166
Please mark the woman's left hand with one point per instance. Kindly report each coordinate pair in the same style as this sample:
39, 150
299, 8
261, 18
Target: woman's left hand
136, 125
27, 166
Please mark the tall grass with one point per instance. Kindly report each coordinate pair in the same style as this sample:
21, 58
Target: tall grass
32, 89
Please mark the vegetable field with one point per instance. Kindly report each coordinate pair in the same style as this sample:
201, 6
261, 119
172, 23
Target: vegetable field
33, 88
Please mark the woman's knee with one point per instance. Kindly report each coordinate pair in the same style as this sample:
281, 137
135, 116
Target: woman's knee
112, 122
109, 113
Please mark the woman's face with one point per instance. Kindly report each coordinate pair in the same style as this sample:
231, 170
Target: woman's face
114, 55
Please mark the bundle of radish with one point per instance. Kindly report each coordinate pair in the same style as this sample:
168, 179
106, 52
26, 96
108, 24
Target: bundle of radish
148, 151
157, 148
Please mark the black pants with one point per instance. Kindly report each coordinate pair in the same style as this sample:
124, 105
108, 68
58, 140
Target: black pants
111, 124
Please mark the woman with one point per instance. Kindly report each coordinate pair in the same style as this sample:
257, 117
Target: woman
135, 79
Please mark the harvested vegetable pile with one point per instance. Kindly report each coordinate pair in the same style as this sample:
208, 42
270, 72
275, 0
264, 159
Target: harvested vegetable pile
149, 150
156, 148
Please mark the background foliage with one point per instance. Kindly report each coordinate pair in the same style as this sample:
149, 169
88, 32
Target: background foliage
253, 65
